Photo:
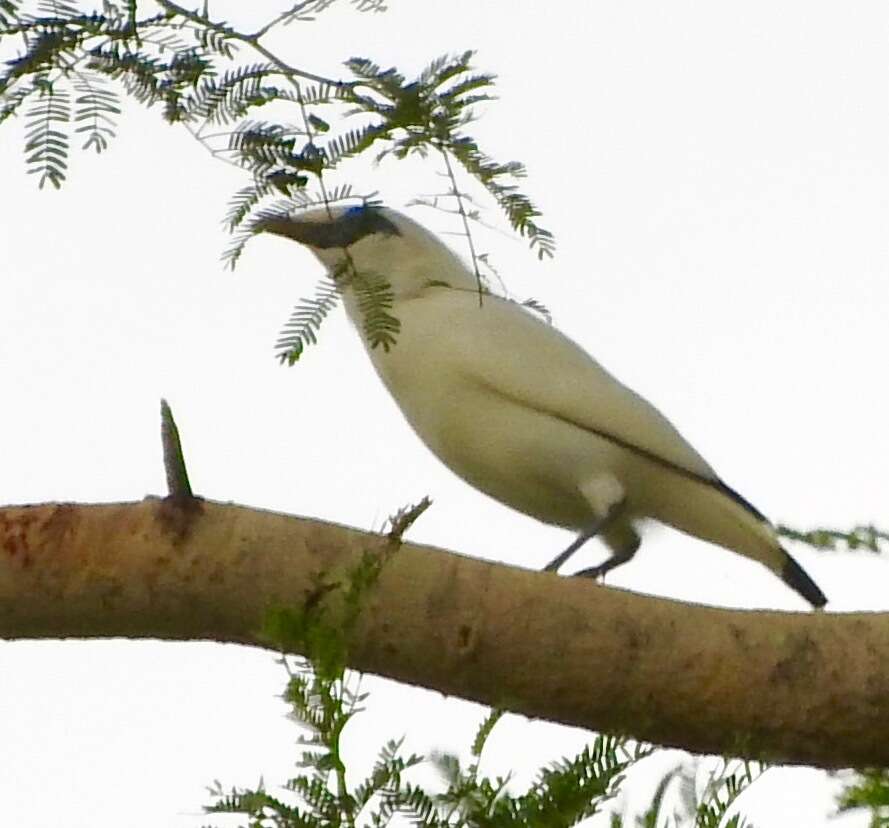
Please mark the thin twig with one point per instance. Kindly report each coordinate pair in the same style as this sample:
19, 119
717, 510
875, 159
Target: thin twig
405, 517
465, 218
290, 72
252, 40
216, 153
295, 9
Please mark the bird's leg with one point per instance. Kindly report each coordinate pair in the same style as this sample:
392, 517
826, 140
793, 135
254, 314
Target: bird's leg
580, 540
583, 537
618, 558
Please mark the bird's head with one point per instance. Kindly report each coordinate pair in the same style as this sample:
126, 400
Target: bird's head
376, 240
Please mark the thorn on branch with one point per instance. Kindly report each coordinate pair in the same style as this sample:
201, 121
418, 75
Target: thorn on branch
174, 460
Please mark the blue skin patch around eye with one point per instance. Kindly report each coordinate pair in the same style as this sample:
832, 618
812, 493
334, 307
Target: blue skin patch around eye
354, 211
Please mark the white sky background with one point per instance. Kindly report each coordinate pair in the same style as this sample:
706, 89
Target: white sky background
717, 176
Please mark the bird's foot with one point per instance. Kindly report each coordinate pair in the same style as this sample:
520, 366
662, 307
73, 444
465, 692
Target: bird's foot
592, 572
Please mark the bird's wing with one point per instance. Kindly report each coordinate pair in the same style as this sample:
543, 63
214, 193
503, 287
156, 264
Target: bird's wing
504, 347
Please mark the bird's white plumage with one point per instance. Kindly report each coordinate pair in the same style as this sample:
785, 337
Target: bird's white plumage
527, 419
523, 413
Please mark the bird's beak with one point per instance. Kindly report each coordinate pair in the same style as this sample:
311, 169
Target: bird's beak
317, 234
323, 230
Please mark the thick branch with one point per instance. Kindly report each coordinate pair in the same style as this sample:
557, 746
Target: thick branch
805, 688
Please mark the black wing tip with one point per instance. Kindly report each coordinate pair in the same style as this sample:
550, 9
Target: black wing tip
740, 500
798, 580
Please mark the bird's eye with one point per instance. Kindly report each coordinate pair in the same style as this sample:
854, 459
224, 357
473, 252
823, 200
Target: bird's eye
357, 210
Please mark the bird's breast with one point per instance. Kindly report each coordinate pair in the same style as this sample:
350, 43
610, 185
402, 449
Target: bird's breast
523, 457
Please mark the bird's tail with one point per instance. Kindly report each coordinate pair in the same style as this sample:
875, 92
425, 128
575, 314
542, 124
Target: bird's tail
718, 514
777, 558
798, 579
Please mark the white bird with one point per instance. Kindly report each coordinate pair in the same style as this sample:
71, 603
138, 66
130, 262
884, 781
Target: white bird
521, 412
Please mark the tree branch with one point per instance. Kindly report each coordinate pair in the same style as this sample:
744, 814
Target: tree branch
788, 687
251, 40
290, 13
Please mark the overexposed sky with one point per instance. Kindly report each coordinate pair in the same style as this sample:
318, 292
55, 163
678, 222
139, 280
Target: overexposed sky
717, 176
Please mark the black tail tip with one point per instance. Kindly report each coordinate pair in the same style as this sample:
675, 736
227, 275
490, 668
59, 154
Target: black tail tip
798, 580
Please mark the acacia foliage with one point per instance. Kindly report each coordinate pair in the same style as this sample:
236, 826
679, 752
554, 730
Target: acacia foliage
76, 61
324, 697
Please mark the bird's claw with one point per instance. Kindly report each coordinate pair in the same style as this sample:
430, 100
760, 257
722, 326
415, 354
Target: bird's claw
592, 572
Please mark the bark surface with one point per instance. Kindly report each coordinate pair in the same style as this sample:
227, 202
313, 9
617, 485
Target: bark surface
809, 688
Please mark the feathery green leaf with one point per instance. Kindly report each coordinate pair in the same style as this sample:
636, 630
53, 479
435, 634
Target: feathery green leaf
46, 136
